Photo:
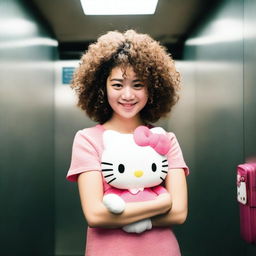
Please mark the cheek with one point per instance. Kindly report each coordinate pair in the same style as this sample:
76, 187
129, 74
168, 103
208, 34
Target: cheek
144, 97
111, 96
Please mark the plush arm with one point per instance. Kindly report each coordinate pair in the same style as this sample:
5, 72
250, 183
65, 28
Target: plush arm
97, 215
177, 187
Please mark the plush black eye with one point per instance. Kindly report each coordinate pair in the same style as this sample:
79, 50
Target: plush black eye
121, 168
153, 167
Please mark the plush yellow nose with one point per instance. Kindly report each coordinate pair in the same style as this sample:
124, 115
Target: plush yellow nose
138, 173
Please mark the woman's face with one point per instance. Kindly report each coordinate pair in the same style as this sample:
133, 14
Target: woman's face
127, 94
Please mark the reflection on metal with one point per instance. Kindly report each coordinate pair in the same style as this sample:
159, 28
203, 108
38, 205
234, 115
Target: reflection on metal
220, 31
38, 41
17, 27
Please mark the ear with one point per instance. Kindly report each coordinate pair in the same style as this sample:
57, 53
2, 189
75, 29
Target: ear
158, 130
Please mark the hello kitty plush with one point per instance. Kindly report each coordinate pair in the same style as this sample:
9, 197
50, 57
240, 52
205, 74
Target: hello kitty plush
134, 165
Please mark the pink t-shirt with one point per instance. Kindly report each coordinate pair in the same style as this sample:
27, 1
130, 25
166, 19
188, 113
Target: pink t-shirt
86, 156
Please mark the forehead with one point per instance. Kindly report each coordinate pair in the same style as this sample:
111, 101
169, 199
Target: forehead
122, 72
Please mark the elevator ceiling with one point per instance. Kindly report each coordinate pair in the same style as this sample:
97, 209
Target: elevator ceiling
171, 23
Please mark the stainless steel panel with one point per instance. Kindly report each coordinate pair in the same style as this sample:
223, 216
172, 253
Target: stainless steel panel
70, 225
249, 79
26, 115
215, 53
249, 90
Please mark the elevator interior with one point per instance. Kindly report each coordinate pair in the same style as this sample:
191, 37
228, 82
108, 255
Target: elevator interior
215, 123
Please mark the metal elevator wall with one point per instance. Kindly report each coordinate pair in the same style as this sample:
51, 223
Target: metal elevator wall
249, 79
27, 55
219, 68
70, 225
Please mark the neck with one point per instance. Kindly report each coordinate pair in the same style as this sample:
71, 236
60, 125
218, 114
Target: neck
121, 125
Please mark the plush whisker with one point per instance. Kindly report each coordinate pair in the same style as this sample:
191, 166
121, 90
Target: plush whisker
111, 180
164, 171
162, 178
107, 170
165, 165
106, 163
108, 175
164, 161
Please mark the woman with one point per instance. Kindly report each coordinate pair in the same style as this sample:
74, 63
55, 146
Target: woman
126, 80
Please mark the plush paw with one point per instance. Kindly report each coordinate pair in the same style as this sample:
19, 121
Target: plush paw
114, 203
138, 227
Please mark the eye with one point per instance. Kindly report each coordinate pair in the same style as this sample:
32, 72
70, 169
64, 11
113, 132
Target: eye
117, 86
121, 168
138, 86
153, 167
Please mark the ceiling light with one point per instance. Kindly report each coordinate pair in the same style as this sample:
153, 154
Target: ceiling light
118, 7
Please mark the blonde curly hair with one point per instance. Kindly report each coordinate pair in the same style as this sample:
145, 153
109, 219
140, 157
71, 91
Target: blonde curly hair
150, 62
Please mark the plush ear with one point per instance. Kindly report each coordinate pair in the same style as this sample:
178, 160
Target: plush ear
113, 139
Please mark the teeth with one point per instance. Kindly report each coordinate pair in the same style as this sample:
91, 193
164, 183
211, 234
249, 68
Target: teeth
128, 104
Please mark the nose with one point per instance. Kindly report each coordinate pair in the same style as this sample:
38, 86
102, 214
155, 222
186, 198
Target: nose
138, 173
127, 93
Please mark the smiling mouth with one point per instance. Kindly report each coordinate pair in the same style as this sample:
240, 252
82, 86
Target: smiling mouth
127, 105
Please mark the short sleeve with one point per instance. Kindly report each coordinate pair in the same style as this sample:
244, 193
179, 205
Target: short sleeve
175, 156
84, 157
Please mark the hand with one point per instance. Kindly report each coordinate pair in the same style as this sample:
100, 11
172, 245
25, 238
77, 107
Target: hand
114, 203
138, 227
166, 201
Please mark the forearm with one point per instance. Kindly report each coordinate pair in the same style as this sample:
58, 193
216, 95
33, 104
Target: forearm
176, 185
171, 218
97, 215
101, 217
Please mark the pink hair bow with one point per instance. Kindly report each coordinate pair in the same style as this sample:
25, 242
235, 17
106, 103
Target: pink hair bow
159, 142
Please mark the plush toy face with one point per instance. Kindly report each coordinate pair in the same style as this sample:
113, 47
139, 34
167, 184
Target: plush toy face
125, 165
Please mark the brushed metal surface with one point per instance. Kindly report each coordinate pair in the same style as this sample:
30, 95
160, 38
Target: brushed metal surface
222, 56
249, 80
70, 225
27, 54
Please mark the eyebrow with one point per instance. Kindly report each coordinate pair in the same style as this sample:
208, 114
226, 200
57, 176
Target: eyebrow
121, 80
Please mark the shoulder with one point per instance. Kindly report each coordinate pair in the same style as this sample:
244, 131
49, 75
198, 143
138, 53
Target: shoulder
171, 136
90, 137
173, 140
91, 131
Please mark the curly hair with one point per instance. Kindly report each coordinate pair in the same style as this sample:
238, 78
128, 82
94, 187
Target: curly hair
150, 62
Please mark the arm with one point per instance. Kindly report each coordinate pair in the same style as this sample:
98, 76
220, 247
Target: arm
159, 190
176, 185
91, 194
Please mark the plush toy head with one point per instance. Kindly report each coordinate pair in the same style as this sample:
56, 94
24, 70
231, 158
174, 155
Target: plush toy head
135, 161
